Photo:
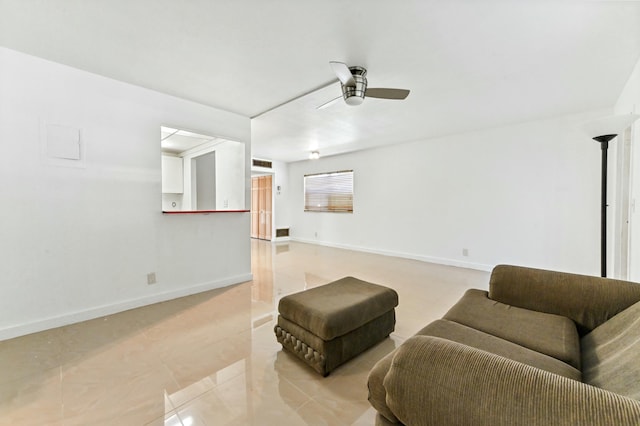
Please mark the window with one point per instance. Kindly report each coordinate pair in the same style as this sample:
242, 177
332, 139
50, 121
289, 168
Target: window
329, 192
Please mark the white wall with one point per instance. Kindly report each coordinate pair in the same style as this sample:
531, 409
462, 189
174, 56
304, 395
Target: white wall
524, 194
78, 242
629, 102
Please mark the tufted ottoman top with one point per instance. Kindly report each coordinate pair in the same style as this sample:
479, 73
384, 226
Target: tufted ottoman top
339, 307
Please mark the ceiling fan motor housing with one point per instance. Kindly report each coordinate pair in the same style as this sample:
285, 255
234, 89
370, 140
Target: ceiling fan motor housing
354, 95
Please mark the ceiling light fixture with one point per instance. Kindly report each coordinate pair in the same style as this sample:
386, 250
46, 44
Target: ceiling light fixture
314, 155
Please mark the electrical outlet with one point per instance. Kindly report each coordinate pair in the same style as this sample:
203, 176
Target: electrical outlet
151, 278
465, 252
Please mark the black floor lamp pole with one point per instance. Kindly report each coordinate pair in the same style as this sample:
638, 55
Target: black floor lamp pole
605, 129
604, 144
603, 211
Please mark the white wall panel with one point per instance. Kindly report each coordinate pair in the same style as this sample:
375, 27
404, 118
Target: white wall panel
78, 242
629, 102
524, 194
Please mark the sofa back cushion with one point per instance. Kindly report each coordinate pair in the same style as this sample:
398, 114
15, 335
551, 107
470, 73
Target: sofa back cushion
611, 354
588, 301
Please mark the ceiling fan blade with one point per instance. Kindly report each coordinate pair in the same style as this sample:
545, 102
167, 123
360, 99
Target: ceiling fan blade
328, 104
384, 93
343, 73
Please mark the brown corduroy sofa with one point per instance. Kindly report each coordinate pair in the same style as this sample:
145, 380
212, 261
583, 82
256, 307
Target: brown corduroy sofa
539, 348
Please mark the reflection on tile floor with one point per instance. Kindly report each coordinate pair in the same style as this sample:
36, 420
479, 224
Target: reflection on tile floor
212, 358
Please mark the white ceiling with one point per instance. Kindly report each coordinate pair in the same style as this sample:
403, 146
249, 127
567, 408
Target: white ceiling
177, 141
469, 64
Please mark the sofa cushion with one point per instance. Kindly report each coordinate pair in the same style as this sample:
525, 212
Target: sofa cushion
611, 354
434, 381
468, 336
550, 334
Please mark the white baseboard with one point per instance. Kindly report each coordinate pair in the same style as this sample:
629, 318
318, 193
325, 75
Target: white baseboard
429, 259
110, 309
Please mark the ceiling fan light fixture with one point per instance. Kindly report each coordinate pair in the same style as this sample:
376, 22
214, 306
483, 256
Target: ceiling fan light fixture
354, 95
354, 100
353, 81
314, 155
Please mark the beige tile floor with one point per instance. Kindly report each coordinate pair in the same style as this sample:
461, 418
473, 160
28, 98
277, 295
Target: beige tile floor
212, 358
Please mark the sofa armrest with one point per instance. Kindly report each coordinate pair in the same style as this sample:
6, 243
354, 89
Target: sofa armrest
588, 301
433, 381
375, 383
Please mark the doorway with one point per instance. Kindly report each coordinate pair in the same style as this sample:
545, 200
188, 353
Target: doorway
204, 184
261, 210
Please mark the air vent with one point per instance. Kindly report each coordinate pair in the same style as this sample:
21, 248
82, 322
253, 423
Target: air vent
262, 163
282, 232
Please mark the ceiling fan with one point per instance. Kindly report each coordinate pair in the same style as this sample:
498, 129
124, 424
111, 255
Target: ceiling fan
353, 81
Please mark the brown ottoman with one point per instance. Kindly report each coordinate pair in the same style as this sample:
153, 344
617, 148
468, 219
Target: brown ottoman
328, 325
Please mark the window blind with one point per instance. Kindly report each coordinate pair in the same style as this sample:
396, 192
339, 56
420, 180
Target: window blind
329, 192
